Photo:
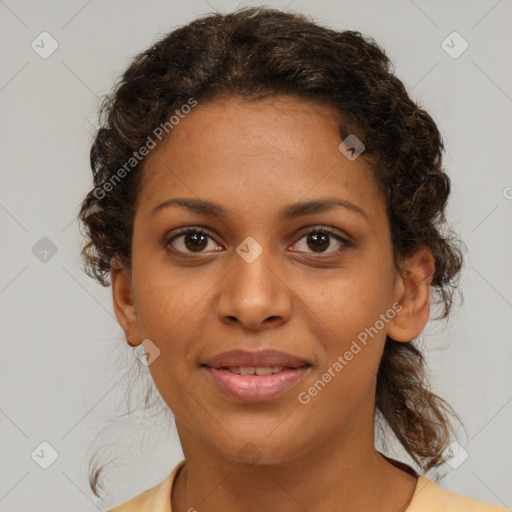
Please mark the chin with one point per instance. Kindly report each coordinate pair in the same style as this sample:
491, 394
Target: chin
260, 450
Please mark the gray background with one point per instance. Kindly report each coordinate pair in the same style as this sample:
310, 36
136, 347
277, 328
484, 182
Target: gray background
64, 361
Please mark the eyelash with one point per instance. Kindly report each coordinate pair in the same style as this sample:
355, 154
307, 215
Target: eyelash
316, 229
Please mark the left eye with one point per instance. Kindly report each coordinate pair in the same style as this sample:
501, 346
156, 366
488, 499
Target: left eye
318, 240
195, 240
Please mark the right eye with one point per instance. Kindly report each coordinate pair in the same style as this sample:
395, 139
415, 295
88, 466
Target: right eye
194, 240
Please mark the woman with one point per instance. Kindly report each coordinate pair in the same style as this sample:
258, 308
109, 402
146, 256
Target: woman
269, 209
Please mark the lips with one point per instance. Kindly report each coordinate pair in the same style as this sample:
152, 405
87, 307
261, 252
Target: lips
263, 359
255, 376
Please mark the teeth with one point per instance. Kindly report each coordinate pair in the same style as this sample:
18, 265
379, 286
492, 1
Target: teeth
251, 370
263, 371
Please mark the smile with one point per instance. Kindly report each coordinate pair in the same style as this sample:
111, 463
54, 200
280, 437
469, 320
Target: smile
256, 383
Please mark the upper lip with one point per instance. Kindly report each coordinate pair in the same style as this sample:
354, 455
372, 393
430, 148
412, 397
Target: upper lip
261, 358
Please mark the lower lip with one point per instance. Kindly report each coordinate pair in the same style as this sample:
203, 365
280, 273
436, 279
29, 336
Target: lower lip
256, 388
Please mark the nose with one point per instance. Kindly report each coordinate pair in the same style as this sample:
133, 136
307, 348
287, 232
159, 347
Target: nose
255, 294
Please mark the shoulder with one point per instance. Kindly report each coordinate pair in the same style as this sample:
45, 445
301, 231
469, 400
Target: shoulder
430, 497
156, 499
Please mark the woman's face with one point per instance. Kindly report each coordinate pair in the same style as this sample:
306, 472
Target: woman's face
257, 279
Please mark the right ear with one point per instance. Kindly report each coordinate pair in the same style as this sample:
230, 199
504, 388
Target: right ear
124, 307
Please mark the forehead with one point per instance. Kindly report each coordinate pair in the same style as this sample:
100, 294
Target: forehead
264, 152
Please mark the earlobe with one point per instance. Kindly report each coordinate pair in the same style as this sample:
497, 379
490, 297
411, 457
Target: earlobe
413, 292
124, 307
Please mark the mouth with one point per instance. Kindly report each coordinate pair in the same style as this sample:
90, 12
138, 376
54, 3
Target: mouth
256, 383
257, 370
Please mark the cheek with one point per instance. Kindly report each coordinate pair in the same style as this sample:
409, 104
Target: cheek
344, 307
172, 311
351, 334
168, 300
351, 342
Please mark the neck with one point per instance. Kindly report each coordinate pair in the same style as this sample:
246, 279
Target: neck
346, 473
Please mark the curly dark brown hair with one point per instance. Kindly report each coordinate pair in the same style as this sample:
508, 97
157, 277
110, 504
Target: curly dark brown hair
255, 53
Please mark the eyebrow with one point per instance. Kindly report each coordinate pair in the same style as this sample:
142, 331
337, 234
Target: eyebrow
289, 212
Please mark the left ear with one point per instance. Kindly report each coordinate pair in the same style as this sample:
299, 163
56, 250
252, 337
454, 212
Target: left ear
413, 292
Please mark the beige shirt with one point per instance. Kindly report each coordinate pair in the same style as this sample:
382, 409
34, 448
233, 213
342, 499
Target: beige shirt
428, 497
